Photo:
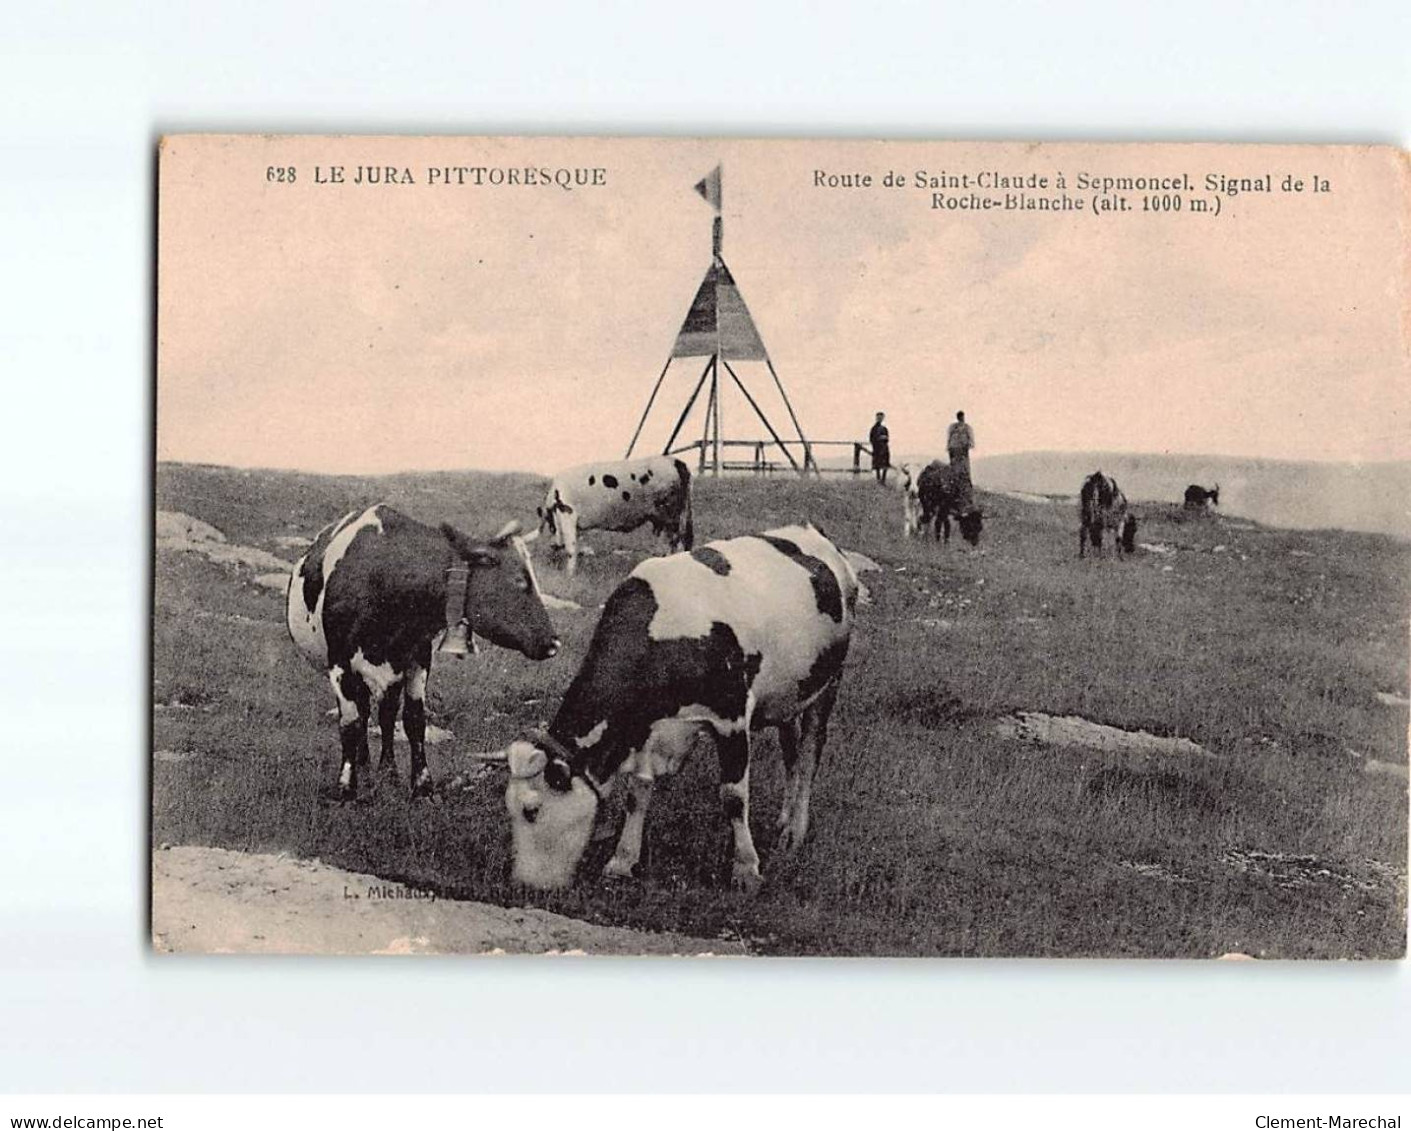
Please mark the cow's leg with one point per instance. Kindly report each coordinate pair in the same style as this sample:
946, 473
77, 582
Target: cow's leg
789, 745
387, 720
414, 720
945, 526
813, 737
734, 750
354, 704
568, 534
629, 844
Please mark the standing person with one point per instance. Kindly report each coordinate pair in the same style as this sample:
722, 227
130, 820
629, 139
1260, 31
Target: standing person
881, 442
960, 438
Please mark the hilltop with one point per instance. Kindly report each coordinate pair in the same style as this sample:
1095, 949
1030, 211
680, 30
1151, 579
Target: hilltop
1264, 811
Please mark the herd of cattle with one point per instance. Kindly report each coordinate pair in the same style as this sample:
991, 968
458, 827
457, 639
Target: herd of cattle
713, 642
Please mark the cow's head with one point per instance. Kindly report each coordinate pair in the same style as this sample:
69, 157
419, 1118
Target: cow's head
553, 504
503, 597
971, 523
552, 808
1215, 494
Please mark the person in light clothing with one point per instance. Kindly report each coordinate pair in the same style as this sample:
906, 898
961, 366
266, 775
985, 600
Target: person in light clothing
960, 438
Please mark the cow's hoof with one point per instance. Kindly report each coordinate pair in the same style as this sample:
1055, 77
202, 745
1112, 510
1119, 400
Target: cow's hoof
789, 839
389, 772
616, 869
424, 788
747, 880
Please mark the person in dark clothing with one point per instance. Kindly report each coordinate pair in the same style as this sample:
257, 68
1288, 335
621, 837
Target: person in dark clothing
880, 441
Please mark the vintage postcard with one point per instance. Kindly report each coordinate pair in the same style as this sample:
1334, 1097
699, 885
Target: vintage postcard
647, 546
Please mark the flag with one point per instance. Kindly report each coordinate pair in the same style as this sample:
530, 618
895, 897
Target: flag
709, 188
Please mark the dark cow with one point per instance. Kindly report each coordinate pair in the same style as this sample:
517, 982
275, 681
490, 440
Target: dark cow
367, 602
620, 496
1103, 507
945, 493
1200, 498
741, 634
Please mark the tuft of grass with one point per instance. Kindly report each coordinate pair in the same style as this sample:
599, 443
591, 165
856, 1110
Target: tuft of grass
932, 833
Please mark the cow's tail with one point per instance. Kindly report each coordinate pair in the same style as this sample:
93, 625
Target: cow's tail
688, 522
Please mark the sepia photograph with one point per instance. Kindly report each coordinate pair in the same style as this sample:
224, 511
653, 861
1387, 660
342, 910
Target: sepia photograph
750, 548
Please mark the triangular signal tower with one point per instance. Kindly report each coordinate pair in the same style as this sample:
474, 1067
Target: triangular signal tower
718, 327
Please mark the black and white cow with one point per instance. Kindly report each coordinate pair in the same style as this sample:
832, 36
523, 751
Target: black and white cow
741, 634
1200, 498
620, 496
1102, 506
944, 493
367, 602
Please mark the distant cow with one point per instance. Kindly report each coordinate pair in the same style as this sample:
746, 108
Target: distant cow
1200, 498
620, 496
368, 600
1103, 507
905, 483
944, 493
741, 634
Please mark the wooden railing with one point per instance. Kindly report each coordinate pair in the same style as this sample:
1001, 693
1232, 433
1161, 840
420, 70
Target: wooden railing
764, 457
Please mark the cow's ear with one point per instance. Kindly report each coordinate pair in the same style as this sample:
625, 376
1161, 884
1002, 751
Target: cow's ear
458, 540
508, 531
476, 554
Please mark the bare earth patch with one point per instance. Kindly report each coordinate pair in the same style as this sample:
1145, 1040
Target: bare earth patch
1029, 497
181, 532
1070, 730
216, 901
1303, 870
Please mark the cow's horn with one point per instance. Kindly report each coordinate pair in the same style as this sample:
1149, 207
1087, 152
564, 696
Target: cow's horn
490, 755
510, 529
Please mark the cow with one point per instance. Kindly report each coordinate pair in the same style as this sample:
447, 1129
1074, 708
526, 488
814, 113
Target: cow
943, 492
620, 496
735, 636
1102, 506
905, 482
1199, 498
367, 603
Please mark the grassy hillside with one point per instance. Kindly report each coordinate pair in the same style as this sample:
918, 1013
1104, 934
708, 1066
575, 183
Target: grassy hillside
932, 833
1372, 497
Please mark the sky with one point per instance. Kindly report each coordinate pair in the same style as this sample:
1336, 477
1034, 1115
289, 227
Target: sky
337, 327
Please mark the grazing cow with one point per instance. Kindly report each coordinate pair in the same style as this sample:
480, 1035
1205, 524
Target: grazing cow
620, 496
1104, 507
368, 600
741, 634
943, 492
1199, 498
